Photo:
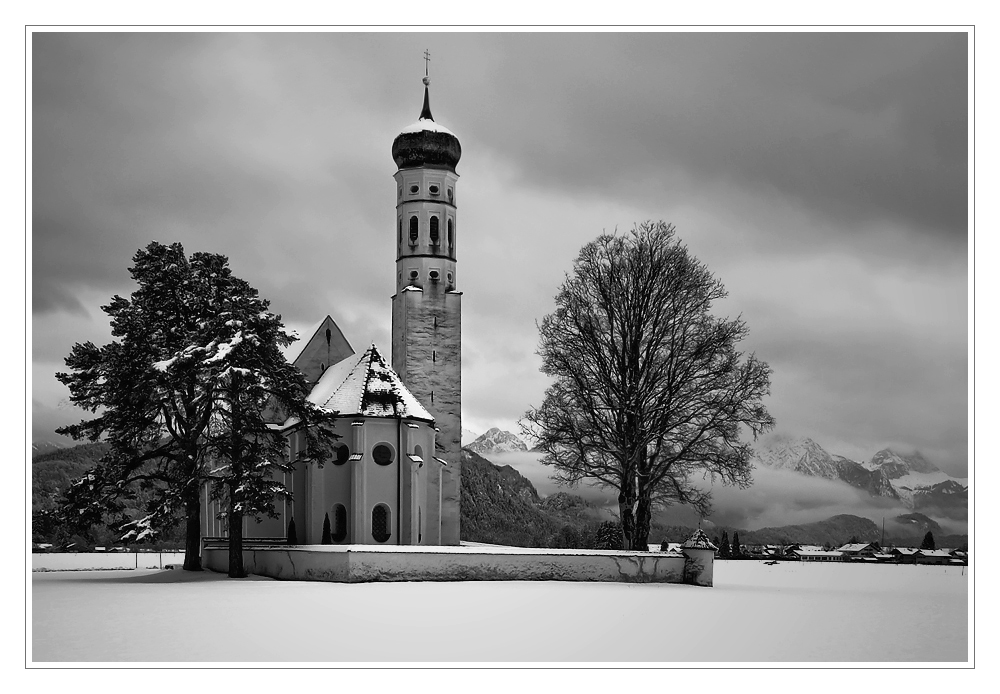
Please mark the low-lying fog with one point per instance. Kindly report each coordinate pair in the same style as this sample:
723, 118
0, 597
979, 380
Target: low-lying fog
776, 498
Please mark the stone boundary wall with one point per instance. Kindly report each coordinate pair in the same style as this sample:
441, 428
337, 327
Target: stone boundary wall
83, 561
359, 564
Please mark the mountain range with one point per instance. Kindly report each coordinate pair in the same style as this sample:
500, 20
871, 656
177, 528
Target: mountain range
911, 479
501, 506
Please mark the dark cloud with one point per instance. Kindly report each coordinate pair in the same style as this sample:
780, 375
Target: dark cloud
861, 127
822, 176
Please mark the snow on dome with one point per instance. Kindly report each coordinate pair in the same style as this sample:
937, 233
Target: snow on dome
698, 541
368, 388
428, 125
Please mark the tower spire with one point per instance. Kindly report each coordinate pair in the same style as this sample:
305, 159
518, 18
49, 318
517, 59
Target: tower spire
425, 112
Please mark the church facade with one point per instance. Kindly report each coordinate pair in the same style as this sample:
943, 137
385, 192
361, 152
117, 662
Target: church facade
395, 474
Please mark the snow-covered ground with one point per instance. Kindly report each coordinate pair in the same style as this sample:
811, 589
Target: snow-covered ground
790, 612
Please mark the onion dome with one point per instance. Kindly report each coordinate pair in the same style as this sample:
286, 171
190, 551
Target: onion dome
425, 143
698, 541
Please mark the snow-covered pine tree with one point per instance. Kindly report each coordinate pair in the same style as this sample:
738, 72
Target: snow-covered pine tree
180, 394
928, 542
327, 538
737, 550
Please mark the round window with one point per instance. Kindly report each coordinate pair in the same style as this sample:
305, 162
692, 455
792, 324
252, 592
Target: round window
340, 454
434, 275
382, 453
414, 189
434, 190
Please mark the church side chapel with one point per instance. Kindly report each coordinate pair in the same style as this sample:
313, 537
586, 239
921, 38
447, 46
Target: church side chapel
394, 476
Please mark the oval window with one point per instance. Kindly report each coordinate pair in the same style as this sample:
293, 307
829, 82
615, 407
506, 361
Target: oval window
339, 523
434, 190
340, 454
414, 189
382, 453
380, 523
435, 275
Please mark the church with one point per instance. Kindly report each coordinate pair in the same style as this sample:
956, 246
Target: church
394, 478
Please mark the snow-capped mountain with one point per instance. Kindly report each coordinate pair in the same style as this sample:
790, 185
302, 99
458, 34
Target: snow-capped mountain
468, 436
497, 441
911, 479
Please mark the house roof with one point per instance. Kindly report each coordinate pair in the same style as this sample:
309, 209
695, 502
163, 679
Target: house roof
855, 547
934, 553
366, 387
818, 553
698, 541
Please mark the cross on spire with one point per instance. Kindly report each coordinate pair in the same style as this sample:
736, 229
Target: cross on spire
427, 60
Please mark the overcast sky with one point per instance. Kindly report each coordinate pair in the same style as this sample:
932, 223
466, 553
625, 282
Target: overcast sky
822, 176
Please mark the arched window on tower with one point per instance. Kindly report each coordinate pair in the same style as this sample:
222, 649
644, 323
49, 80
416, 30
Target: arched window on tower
434, 231
413, 231
451, 239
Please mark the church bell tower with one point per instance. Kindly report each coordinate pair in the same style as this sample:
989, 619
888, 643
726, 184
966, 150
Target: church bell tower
427, 306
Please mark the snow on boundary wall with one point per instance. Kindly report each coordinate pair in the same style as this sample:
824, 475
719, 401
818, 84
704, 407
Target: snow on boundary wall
367, 563
89, 561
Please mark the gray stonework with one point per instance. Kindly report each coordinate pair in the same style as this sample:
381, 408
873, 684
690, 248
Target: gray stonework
427, 356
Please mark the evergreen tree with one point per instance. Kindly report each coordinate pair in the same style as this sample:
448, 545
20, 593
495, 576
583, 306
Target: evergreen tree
724, 546
327, 538
928, 542
293, 537
854, 540
609, 535
180, 395
736, 549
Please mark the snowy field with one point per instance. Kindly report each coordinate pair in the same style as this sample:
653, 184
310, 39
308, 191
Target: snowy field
791, 612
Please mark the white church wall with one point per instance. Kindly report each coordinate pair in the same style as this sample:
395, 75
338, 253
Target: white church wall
384, 563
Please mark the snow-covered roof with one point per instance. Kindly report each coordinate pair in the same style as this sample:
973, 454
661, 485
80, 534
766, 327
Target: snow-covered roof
367, 387
905, 550
855, 547
818, 553
698, 541
425, 124
934, 553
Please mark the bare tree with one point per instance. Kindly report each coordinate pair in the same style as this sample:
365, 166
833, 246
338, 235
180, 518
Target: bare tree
649, 388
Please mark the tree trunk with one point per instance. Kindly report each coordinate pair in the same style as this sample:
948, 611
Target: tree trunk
192, 538
628, 520
643, 517
236, 569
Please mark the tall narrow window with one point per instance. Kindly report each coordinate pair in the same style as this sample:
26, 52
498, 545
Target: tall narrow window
413, 231
399, 230
339, 523
380, 523
434, 231
329, 335
451, 238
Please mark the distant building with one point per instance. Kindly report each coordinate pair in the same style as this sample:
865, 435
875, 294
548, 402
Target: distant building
859, 551
819, 555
